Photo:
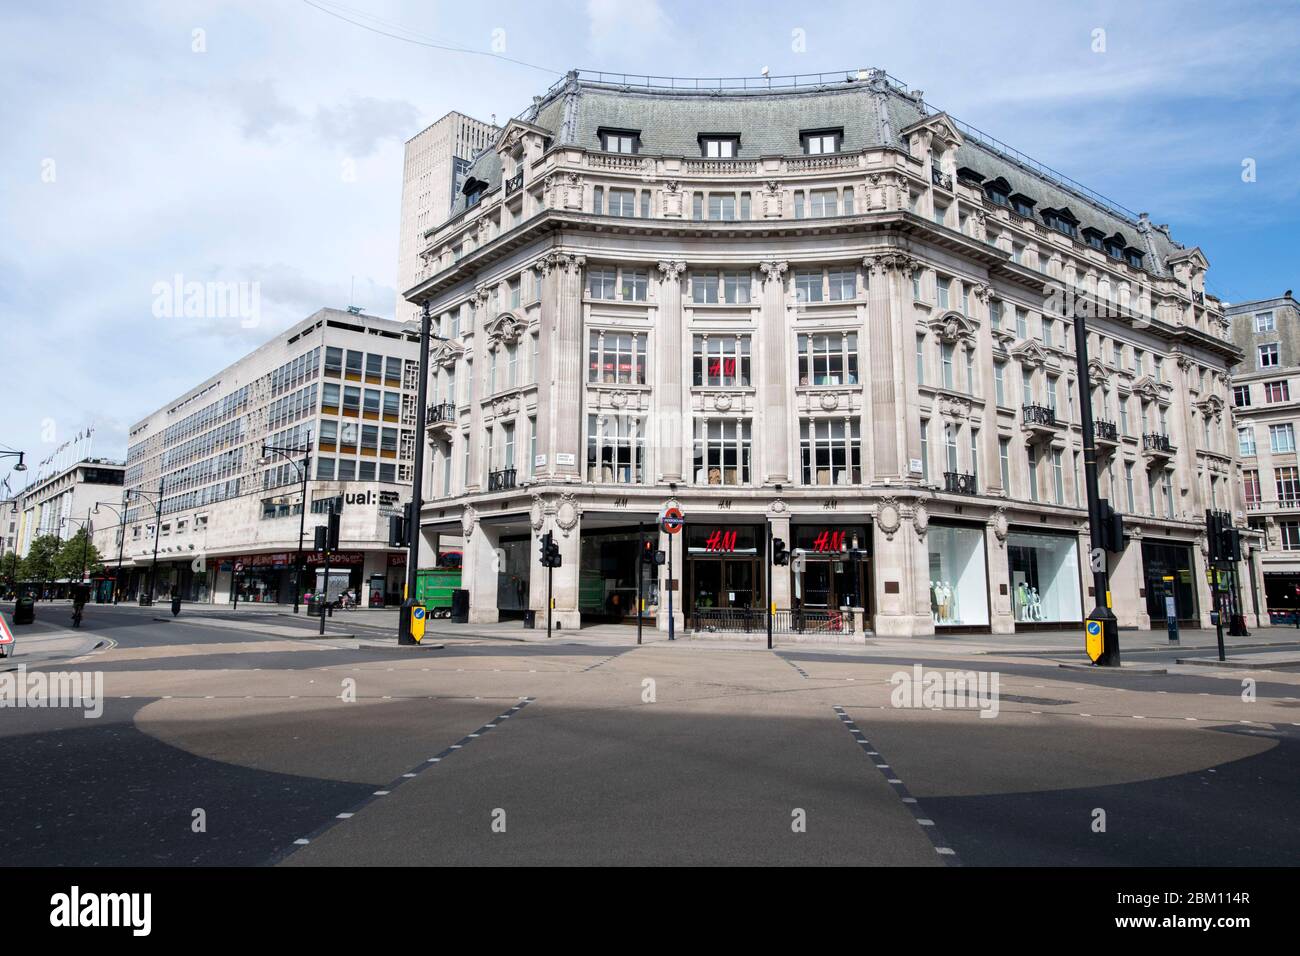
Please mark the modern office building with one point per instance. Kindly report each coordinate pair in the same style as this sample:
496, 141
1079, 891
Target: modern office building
432, 174
59, 501
820, 311
339, 383
1266, 406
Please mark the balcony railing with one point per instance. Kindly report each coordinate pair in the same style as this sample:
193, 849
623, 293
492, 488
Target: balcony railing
1039, 415
940, 178
515, 181
1156, 441
959, 483
743, 620
502, 480
444, 412
1105, 431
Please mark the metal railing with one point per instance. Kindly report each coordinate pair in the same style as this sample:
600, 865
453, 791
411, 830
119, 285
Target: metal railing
502, 480
734, 620
814, 621
1156, 441
515, 181
1039, 415
959, 483
443, 412
940, 178
1105, 430
743, 620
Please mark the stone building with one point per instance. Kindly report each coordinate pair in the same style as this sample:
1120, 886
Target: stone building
827, 313
1266, 406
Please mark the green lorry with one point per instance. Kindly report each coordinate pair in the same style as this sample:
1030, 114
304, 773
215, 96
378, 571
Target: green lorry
433, 587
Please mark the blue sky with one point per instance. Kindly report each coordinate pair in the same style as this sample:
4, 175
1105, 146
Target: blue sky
273, 154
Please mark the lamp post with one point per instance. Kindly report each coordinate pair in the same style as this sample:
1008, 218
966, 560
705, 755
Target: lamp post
157, 527
304, 470
10, 453
121, 540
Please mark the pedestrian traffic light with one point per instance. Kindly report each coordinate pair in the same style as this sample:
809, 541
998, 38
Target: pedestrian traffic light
549, 551
780, 555
1222, 539
399, 528
322, 536
332, 541
1112, 527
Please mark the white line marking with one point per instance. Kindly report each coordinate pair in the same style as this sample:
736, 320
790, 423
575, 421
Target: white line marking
343, 816
382, 793
301, 842
925, 823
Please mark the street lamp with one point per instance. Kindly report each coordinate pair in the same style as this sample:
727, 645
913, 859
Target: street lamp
10, 453
157, 522
304, 469
121, 540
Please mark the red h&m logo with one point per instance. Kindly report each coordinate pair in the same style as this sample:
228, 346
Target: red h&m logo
829, 541
721, 541
721, 367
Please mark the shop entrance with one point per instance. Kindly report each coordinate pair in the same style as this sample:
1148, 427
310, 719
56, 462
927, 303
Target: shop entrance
1161, 560
723, 568
607, 569
832, 578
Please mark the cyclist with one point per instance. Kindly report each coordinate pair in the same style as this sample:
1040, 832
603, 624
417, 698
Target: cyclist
80, 593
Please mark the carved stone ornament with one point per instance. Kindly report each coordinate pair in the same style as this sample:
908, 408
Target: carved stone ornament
505, 329
481, 295
778, 507
951, 407
445, 355
773, 271
537, 513
566, 513
468, 518
953, 327
618, 398
723, 402
889, 518
672, 269
1000, 525
899, 261
984, 293
830, 401
921, 520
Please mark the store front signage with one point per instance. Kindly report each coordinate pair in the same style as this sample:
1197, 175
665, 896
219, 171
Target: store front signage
723, 540
337, 558
720, 540
829, 541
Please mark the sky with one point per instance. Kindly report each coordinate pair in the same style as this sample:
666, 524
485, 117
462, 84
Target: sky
149, 145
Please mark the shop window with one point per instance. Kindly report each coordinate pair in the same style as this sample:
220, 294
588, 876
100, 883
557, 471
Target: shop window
615, 449
722, 451
830, 451
958, 578
616, 358
1044, 571
722, 360
828, 358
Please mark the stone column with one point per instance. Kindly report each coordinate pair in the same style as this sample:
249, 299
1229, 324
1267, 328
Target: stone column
670, 364
675, 543
990, 469
779, 518
1001, 619
776, 391
1205, 597
901, 575
479, 568
1181, 420
1127, 584
545, 374
560, 516
892, 396
476, 389
570, 350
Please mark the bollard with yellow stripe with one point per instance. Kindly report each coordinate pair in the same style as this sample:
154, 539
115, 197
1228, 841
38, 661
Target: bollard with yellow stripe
1094, 638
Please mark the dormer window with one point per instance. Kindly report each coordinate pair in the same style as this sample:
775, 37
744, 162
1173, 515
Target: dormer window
1093, 237
998, 191
1063, 221
819, 141
620, 140
719, 146
1022, 204
1115, 246
1133, 258
473, 190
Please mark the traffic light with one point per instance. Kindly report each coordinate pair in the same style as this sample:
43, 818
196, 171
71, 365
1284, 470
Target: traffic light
652, 556
1112, 527
399, 528
332, 540
780, 555
549, 551
322, 534
1223, 539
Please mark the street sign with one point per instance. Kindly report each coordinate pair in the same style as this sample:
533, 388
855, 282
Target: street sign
6, 635
1095, 641
417, 622
239, 566
673, 519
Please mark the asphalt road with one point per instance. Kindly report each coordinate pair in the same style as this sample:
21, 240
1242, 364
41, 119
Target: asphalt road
295, 751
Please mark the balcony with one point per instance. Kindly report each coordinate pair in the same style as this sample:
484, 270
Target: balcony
515, 182
440, 419
502, 480
957, 483
941, 179
1039, 420
1105, 434
1157, 445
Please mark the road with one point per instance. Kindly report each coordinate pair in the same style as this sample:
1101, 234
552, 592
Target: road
245, 741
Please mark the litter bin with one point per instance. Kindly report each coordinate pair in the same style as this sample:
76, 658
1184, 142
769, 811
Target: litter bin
530, 619
24, 610
316, 607
176, 606
460, 606
146, 600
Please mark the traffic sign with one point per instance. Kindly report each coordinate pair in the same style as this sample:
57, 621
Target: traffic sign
6, 635
673, 519
1095, 641
417, 622
239, 565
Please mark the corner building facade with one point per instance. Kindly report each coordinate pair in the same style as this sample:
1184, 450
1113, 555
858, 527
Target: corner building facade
826, 313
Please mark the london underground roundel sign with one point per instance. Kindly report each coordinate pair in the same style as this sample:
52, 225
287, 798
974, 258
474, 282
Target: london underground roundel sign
673, 520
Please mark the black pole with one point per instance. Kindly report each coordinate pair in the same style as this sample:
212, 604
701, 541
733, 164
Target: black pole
417, 485
1101, 612
325, 607
550, 602
157, 529
121, 546
302, 525
672, 584
771, 605
1218, 617
640, 558
85, 545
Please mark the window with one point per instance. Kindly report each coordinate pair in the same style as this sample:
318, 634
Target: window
999, 383
722, 451
941, 283
925, 449
1290, 535
374, 367
1245, 440
1128, 485
830, 451
1058, 480
615, 449
619, 140
704, 288
351, 401
920, 360
601, 283
817, 142
1277, 391
808, 285
719, 147
1250, 482
393, 400
721, 360
369, 439
616, 358
333, 361
1288, 485
1022, 323
1167, 483
1264, 322
722, 206
1032, 452
940, 213
371, 406
1241, 395
635, 283
828, 358
1004, 463
1268, 357
735, 287
622, 202
325, 469
1281, 437
329, 397
843, 284
823, 203
947, 365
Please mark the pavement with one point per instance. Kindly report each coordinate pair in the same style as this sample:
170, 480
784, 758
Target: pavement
296, 751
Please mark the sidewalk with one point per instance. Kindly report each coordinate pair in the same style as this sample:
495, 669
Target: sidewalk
46, 643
